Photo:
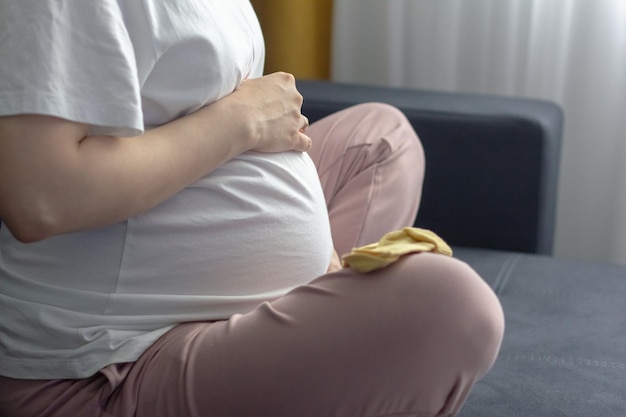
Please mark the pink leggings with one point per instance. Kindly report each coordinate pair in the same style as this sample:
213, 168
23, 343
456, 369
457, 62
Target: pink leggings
408, 340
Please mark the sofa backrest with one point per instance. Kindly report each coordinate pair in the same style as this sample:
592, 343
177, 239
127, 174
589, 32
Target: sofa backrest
491, 162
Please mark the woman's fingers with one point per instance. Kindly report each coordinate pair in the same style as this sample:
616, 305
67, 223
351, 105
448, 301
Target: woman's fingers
305, 124
303, 144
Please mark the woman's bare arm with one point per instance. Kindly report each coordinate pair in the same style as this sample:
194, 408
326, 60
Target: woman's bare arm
54, 179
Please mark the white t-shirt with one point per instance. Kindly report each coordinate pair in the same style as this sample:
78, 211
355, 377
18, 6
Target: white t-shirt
250, 231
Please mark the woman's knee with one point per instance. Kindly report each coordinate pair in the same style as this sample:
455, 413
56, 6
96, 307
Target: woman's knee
389, 124
370, 133
388, 141
464, 323
400, 154
428, 320
479, 317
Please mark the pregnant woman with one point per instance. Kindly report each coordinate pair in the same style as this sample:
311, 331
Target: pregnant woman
171, 224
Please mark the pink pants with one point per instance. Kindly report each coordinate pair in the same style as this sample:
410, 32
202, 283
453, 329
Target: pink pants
408, 340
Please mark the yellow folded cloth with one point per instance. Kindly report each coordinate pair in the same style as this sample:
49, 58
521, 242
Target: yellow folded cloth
392, 246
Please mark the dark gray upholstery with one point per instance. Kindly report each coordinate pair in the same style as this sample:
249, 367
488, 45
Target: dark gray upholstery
564, 350
490, 190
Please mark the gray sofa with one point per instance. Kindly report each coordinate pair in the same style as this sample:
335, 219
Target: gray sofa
490, 191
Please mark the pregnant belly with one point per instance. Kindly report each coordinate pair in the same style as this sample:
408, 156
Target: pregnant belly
257, 225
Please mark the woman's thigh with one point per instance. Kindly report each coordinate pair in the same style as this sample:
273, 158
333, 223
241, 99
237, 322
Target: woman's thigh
410, 339
407, 340
371, 166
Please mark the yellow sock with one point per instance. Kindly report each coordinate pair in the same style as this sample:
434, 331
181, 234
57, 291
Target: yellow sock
392, 246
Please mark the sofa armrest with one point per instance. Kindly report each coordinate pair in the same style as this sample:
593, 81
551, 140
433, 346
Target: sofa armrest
492, 162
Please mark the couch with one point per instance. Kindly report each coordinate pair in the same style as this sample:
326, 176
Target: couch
490, 191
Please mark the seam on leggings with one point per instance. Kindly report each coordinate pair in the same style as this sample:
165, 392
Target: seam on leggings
375, 185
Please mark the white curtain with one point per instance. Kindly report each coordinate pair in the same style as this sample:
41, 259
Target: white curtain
572, 52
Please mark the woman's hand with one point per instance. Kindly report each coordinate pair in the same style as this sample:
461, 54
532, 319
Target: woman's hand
270, 107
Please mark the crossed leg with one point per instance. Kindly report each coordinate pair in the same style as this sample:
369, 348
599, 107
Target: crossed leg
408, 340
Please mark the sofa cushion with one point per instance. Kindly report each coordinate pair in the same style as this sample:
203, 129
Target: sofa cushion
564, 350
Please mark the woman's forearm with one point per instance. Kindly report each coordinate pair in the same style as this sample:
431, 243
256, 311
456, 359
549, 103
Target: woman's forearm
54, 179
100, 180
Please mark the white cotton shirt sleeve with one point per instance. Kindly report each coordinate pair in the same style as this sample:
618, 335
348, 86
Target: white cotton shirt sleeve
57, 59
